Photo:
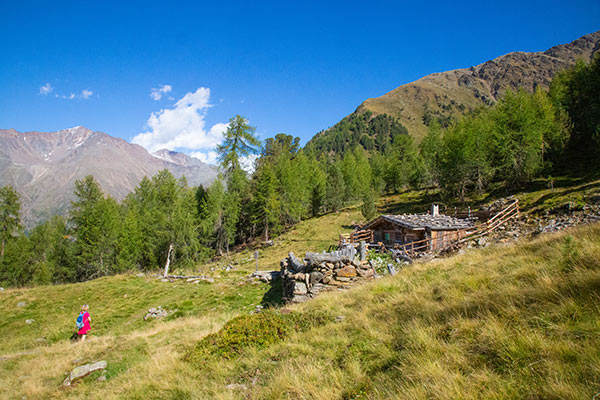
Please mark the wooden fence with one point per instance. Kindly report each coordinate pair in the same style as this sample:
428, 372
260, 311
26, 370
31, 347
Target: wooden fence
365, 235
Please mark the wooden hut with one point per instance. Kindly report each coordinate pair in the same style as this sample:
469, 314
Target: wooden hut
432, 231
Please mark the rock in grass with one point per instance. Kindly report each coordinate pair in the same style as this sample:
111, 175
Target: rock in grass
236, 386
29, 321
83, 371
21, 304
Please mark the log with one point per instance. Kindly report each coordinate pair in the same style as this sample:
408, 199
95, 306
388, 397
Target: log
168, 260
346, 254
295, 264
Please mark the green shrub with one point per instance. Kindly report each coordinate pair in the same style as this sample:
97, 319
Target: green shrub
257, 330
570, 253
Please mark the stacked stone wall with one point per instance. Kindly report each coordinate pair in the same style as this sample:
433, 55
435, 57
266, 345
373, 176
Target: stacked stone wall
319, 272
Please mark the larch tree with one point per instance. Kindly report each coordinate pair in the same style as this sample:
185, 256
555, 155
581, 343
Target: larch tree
10, 216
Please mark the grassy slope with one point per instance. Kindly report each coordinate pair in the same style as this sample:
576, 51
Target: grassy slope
504, 322
38, 355
394, 329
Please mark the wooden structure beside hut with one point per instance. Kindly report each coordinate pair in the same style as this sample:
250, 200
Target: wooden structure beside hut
436, 229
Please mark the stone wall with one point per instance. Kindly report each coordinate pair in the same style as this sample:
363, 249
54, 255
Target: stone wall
320, 272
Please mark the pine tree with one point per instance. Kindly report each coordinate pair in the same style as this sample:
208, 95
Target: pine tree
95, 221
10, 216
334, 192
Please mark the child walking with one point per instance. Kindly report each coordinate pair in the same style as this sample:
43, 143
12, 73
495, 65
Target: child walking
83, 322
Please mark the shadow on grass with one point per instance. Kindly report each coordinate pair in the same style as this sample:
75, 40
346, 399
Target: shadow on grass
273, 297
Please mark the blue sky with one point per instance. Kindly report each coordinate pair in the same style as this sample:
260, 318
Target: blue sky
293, 67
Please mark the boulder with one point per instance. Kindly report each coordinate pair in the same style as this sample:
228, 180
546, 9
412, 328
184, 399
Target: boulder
83, 371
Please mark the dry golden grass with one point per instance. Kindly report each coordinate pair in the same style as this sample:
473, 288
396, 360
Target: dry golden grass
507, 321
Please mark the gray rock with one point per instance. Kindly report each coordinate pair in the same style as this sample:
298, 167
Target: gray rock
29, 321
83, 371
339, 318
236, 386
315, 277
299, 299
21, 304
300, 288
1, 289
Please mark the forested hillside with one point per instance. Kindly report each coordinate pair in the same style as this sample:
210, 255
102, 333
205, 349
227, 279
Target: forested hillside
445, 96
504, 147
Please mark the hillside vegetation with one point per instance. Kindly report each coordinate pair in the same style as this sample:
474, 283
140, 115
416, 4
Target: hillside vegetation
448, 94
502, 322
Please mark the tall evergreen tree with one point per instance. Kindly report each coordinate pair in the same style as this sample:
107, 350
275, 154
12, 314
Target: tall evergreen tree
10, 216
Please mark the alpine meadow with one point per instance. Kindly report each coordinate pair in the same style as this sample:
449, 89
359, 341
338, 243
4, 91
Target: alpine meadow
441, 241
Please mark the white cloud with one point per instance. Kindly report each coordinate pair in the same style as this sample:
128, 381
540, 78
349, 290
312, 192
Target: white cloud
183, 126
157, 94
86, 94
208, 157
47, 88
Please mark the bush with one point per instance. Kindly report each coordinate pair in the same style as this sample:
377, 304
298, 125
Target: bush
257, 330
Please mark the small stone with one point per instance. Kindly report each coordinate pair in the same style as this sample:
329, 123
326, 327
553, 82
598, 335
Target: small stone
299, 299
101, 378
83, 371
342, 279
365, 273
228, 268
29, 321
21, 304
348, 271
326, 279
299, 276
236, 386
300, 288
315, 277
165, 280
1, 289
339, 318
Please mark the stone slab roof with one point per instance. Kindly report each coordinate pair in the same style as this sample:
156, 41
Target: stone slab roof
423, 221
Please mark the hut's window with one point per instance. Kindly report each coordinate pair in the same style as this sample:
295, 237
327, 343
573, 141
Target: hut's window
387, 237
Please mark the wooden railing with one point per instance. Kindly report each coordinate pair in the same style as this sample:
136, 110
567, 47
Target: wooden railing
509, 212
357, 236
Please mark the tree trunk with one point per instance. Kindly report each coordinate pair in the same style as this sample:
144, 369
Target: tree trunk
266, 230
168, 260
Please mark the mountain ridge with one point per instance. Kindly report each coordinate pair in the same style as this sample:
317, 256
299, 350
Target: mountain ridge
446, 94
43, 166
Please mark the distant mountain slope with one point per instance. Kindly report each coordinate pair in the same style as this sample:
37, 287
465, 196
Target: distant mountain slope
441, 95
43, 167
